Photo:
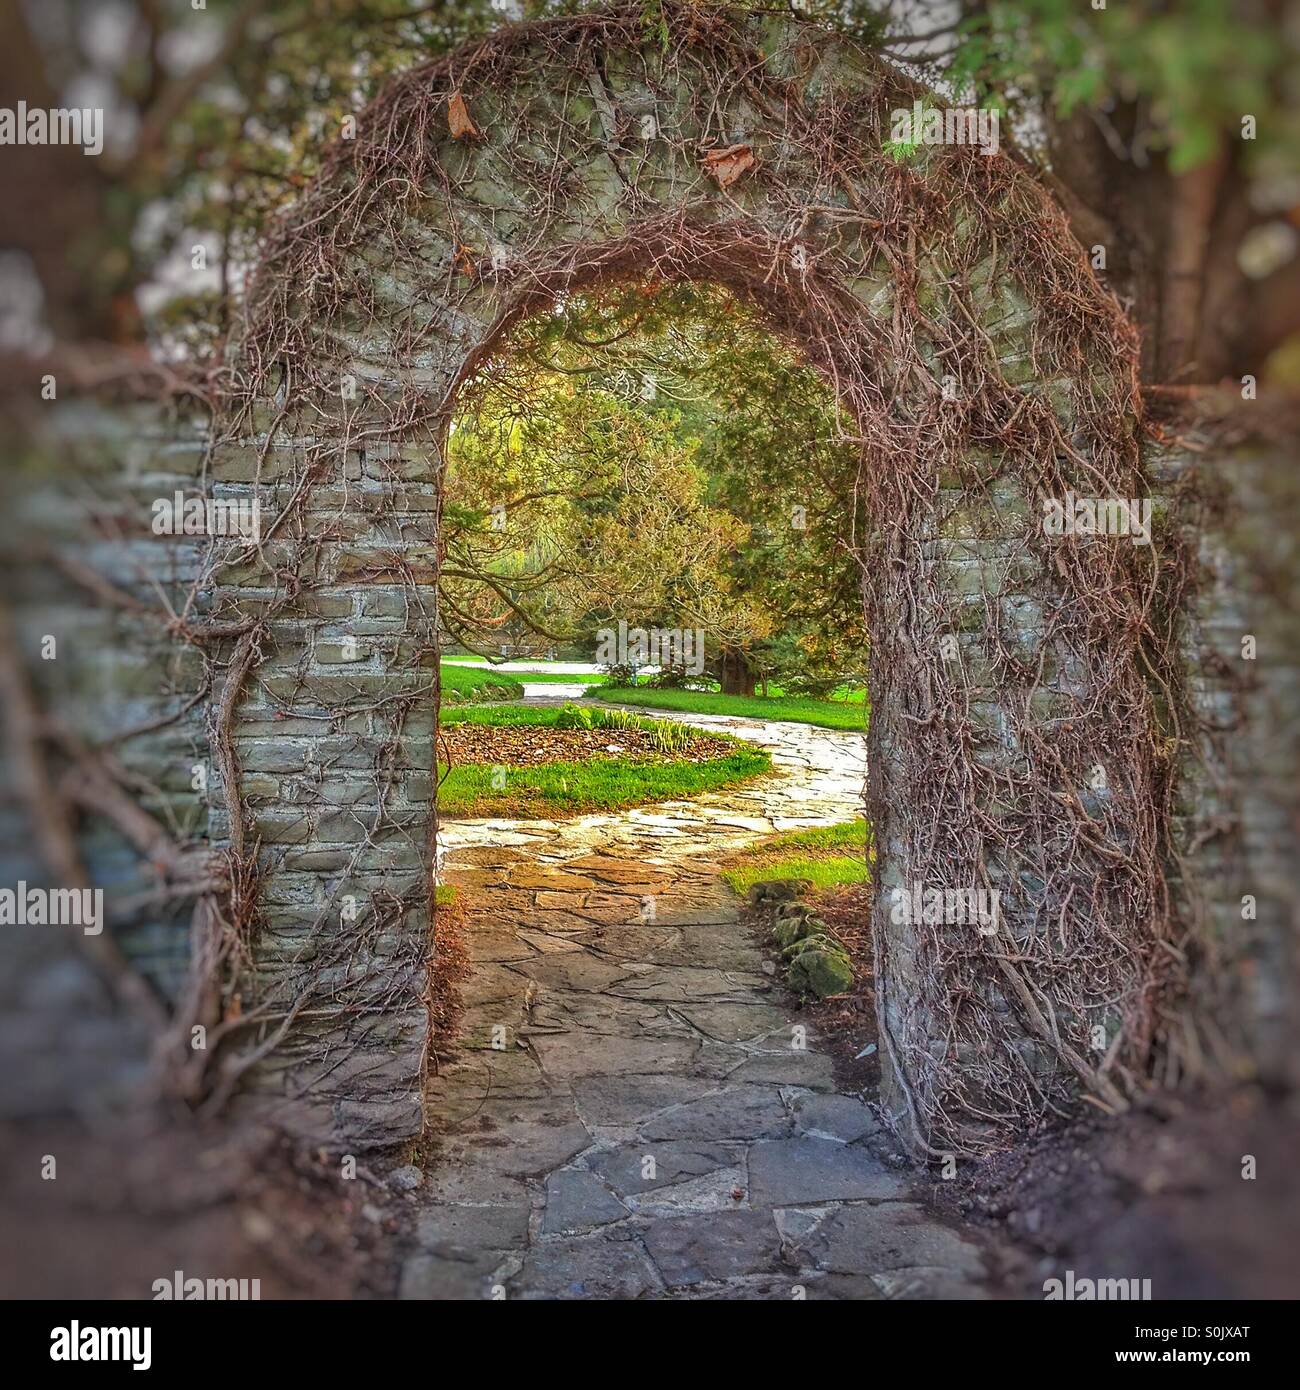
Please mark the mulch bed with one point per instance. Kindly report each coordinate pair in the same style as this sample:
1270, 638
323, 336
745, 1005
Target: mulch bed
528, 745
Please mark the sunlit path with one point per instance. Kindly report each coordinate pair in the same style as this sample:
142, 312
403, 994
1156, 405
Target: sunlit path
634, 1108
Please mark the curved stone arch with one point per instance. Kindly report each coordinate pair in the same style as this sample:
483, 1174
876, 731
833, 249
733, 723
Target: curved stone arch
982, 368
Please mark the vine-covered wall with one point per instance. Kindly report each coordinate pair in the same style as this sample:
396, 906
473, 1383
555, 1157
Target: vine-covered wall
1022, 683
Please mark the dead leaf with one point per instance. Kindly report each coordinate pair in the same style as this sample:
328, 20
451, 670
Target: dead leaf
728, 165
458, 118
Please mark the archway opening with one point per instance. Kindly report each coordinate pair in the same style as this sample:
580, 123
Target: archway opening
653, 716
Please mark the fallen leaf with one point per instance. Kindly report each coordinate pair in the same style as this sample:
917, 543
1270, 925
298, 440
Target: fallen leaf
728, 165
458, 118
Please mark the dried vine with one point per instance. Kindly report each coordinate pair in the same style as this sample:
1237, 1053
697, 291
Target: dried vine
486, 185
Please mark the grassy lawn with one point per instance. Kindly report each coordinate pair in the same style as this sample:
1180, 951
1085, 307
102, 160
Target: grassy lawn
470, 683
556, 678
830, 856
474, 670
599, 784
827, 714
544, 716
610, 784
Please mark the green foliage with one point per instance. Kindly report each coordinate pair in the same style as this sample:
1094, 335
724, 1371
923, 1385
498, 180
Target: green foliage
1195, 69
661, 458
665, 735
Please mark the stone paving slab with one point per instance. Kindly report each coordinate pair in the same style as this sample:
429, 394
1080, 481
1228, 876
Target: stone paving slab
629, 1111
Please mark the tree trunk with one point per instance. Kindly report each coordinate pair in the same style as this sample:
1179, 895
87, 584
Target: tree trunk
735, 675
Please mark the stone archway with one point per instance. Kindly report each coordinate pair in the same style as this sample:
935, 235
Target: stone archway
938, 289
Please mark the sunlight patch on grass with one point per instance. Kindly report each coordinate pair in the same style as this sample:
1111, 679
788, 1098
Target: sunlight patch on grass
470, 683
827, 714
827, 856
571, 788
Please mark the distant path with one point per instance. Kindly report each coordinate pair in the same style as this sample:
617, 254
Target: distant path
651, 1127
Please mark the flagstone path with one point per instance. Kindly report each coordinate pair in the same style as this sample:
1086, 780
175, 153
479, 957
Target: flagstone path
633, 1109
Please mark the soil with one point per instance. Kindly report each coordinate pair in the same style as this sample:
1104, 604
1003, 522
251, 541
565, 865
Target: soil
528, 745
1155, 1194
135, 1204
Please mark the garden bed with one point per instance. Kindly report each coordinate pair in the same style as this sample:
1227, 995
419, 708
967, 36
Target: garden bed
528, 760
524, 745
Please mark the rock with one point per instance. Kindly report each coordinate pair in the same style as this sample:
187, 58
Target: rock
888, 1236
738, 1112
835, 1117
577, 1201
437, 1278
718, 1245
820, 967
777, 890
450, 1229
787, 931
584, 1267
790, 929
794, 1172
406, 1179
625, 1168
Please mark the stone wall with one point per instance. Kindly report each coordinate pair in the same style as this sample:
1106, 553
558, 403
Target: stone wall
312, 719
588, 155
333, 737
1227, 470
78, 479
342, 807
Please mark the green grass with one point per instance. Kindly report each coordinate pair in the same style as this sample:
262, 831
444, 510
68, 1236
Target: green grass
444, 894
471, 683
556, 678
826, 714
600, 784
818, 855
841, 695
607, 784
543, 715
